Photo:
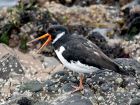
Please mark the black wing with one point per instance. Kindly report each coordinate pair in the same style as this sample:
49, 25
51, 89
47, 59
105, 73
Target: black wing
80, 49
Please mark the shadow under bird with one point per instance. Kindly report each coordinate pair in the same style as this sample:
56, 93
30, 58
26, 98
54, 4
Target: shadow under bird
77, 53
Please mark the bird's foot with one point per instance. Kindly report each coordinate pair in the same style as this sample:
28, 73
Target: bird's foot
77, 88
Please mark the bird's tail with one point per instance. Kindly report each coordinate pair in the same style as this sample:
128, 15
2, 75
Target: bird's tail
122, 70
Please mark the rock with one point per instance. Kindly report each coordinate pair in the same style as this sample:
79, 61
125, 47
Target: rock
127, 8
6, 90
131, 66
8, 65
104, 83
73, 100
67, 87
52, 63
124, 2
84, 3
51, 86
100, 99
131, 84
31, 64
77, 102
41, 103
106, 87
118, 98
135, 9
49, 83
119, 80
66, 76
132, 47
60, 74
132, 16
23, 20
14, 41
77, 2
135, 101
103, 77
87, 16
79, 30
24, 101
110, 46
98, 35
131, 27
33, 86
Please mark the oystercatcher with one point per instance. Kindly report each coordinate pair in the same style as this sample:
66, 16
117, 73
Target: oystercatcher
77, 53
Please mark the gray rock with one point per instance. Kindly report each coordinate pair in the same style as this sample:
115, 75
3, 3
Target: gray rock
50, 61
66, 76
64, 79
122, 98
41, 103
117, 98
89, 93
33, 86
49, 83
131, 66
135, 101
107, 87
59, 74
9, 64
53, 88
24, 101
67, 87
103, 77
130, 83
76, 100
98, 35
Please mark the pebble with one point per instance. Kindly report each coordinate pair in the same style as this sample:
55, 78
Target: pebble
33, 86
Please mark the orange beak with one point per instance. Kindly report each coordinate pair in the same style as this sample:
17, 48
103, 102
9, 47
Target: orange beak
42, 37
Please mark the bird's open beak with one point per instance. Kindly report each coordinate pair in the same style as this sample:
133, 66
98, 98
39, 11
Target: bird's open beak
42, 37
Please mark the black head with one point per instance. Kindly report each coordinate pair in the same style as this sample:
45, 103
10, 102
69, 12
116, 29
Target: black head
56, 30
54, 33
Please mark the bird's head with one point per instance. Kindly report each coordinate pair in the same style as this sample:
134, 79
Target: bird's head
56, 30
53, 34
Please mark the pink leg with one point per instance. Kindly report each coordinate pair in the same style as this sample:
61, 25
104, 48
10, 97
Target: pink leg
80, 87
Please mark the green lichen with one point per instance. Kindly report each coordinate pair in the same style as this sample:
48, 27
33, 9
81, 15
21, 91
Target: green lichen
4, 38
6, 31
23, 44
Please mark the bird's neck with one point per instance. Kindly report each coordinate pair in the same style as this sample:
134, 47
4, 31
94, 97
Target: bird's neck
59, 41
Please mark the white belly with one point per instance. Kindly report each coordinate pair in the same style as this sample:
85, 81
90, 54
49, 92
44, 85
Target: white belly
75, 66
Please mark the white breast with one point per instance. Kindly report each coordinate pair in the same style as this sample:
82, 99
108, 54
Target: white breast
75, 66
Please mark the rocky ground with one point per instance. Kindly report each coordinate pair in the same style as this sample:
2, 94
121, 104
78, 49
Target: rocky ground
27, 78
31, 79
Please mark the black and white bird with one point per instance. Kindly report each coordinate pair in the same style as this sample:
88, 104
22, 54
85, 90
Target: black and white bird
77, 53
